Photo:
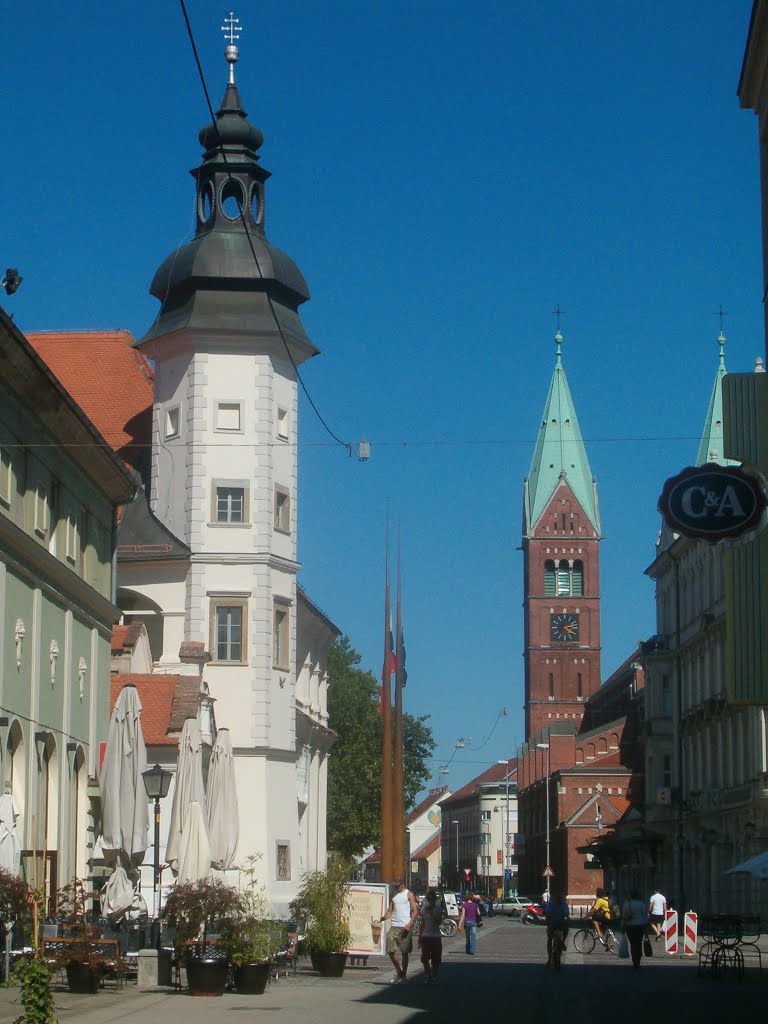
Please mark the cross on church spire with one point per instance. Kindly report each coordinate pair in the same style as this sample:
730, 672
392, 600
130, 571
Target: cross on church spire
721, 313
558, 313
231, 30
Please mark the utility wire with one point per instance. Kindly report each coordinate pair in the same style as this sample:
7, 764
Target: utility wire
241, 207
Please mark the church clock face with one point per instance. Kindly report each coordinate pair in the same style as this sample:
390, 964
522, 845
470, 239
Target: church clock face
564, 627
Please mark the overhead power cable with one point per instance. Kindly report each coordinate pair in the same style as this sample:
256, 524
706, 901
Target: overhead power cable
241, 208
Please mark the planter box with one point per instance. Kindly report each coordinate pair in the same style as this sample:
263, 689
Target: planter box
251, 979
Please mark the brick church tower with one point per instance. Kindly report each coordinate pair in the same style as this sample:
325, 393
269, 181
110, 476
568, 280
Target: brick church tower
561, 539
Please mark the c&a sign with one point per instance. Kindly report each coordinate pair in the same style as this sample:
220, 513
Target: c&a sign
714, 502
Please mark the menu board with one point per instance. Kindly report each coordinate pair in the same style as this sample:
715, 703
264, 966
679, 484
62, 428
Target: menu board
367, 905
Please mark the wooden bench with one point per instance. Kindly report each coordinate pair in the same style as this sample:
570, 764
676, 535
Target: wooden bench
56, 952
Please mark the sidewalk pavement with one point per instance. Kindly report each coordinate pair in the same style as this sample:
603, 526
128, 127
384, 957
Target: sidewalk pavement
507, 980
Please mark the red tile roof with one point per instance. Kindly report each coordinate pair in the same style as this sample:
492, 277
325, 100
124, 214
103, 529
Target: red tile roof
109, 379
496, 773
428, 848
164, 699
124, 638
431, 798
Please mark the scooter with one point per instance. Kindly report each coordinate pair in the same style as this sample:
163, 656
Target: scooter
533, 913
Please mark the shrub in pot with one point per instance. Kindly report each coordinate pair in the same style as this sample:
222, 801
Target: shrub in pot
322, 903
249, 938
195, 908
83, 962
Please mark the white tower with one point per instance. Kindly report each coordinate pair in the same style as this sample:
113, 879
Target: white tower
225, 345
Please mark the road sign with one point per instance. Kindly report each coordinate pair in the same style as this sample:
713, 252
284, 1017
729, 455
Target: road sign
547, 872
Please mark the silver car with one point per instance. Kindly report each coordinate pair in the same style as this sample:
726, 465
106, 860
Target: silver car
511, 906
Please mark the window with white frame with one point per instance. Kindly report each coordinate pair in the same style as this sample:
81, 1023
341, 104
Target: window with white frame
280, 636
228, 620
282, 518
282, 424
70, 537
172, 422
6, 477
229, 417
485, 815
283, 862
230, 502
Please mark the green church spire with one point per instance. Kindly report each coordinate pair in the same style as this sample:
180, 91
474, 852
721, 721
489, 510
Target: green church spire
559, 453
711, 445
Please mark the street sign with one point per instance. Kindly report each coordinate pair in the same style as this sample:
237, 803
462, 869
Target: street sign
547, 872
714, 502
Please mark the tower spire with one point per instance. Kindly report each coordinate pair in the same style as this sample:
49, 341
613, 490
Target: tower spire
560, 452
711, 444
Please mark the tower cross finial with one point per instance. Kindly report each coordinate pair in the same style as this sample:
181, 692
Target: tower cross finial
558, 313
231, 29
721, 313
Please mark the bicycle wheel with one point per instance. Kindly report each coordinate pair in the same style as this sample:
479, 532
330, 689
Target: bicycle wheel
448, 928
557, 951
584, 940
611, 942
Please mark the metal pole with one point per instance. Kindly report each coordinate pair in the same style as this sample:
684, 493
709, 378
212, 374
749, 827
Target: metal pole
156, 880
547, 813
507, 863
457, 848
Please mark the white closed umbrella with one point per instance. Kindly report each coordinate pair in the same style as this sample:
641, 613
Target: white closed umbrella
189, 789
756, 866
124, 807
10, 845
223, 819
117, 896
194, 859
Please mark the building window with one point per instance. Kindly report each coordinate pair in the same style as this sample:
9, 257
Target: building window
6, 477
563, 579
666, 696
280, 653
83, 539
282, 519
666, 771
172, 422
485, 815
485, 838
40, 498
579, 685
228, 619
283, 862
282, 424
70, 538
551, 684
229, 416
229, 502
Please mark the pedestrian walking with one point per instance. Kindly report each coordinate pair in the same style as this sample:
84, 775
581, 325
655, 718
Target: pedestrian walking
430, 940
657, 908
402, 912
635, 920
469, 920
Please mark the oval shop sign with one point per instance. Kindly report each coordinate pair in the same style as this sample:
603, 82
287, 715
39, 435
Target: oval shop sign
713, 502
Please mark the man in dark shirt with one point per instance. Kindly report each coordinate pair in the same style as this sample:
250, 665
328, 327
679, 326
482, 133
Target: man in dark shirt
558, 915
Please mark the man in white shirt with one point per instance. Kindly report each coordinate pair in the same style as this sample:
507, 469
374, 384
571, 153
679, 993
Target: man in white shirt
657, 908
402, 912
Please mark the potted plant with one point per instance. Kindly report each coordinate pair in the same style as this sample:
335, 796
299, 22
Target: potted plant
250, 938
322, 903
83, 962
194, 908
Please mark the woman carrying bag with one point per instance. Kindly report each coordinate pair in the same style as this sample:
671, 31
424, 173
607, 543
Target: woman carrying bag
634, 918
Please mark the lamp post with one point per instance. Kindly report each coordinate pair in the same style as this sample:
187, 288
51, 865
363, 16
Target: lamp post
545, 746
456, 823
157, 781
507, 865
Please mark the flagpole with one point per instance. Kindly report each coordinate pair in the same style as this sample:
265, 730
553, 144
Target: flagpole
398, 785
387, 852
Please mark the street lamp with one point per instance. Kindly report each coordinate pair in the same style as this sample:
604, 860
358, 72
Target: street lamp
507, 864
545, 746
157, 781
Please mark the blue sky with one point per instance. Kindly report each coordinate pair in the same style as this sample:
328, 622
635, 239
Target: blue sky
444, 174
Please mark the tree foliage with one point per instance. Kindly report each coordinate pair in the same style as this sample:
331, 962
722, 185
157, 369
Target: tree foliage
354, 772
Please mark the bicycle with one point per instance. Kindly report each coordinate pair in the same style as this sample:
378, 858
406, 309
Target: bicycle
448, 927
558, 948
585, 940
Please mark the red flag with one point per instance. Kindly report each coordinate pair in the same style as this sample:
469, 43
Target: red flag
390, 662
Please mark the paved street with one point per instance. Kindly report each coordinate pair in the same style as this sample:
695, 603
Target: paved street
506, 981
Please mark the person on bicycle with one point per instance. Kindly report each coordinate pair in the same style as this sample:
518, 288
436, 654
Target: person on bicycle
558, 917
600, 913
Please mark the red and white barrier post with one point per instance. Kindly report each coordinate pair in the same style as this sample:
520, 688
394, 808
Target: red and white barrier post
690, 933
670, 932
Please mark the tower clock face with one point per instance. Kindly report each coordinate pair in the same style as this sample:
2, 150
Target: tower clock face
564, 627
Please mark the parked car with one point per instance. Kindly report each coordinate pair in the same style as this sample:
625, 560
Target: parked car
512, 906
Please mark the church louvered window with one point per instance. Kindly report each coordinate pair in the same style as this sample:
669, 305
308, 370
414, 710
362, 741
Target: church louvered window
563, 579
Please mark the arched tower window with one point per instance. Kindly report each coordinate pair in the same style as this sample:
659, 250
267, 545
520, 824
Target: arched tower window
550, 588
